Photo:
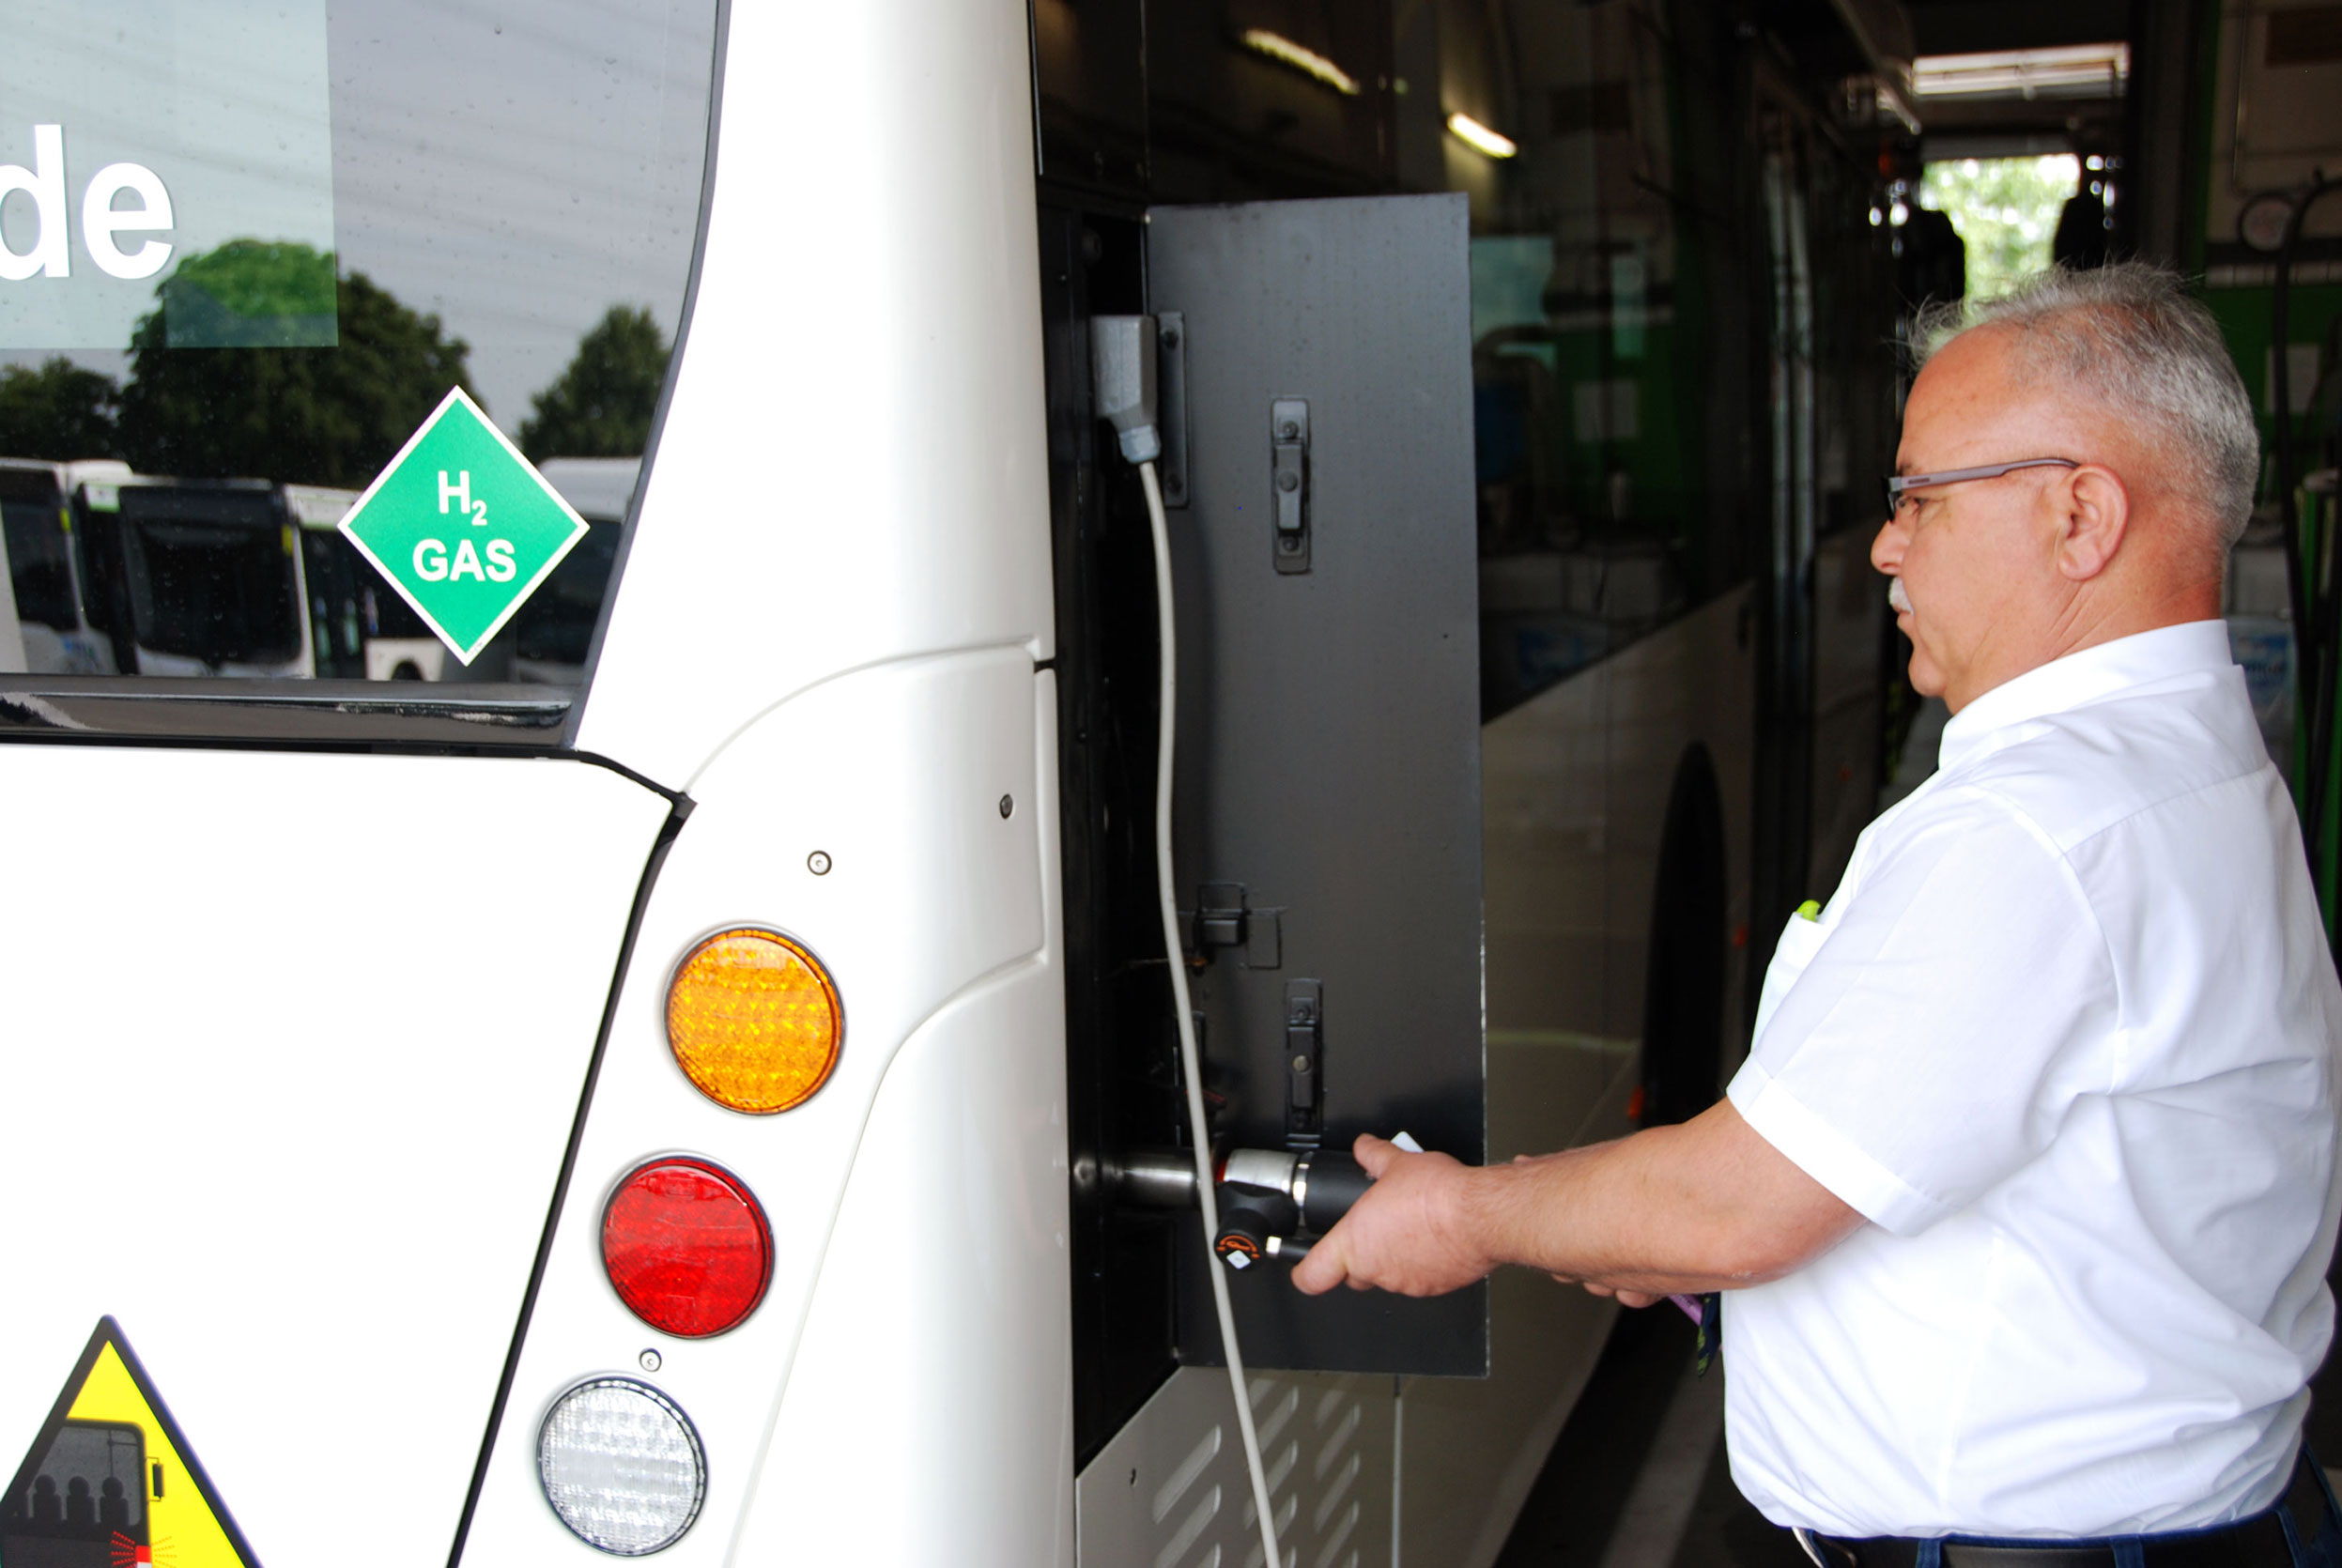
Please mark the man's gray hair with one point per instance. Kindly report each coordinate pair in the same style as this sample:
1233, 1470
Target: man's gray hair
2130, 335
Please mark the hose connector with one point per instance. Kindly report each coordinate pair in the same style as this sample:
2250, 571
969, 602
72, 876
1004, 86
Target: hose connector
1122, 381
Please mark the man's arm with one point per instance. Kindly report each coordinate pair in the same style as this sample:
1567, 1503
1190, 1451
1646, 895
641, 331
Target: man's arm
1706, 1206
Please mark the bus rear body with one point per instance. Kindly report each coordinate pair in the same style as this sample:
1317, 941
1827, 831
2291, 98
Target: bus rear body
783, 846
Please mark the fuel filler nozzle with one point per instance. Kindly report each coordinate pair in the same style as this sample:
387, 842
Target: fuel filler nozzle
1273, 1203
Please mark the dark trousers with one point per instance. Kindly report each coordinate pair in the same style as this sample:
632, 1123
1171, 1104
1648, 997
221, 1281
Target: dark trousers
2304, 1529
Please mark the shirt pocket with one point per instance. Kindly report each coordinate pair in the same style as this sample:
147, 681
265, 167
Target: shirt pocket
1800, 941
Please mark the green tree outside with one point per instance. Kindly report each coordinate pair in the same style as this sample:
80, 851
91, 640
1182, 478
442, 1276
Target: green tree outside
306, 415
59, 413
601, 405
2006, 211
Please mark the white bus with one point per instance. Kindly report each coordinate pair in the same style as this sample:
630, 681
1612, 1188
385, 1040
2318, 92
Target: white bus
195, 578
743, 1117
45, 570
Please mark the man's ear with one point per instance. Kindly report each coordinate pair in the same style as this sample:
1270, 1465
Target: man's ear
2093, 514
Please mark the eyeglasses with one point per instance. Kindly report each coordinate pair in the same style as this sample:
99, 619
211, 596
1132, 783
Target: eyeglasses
1898, 483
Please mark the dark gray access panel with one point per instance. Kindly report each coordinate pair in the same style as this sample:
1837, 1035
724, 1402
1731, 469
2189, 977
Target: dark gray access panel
1319, 377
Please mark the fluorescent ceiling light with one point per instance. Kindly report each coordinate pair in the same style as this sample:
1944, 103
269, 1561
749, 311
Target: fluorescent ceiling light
2077, 71
1479, 137
1307, 61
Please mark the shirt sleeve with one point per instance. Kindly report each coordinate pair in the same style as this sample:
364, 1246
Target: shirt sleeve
1953, 1009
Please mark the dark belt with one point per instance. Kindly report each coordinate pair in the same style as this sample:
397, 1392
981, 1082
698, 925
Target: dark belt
2257, 1541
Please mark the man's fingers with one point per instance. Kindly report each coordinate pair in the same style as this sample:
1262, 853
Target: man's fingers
1638, 1298
1321, 1270
1373, 1153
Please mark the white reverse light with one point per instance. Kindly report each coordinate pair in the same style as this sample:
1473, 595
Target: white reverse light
622, 1466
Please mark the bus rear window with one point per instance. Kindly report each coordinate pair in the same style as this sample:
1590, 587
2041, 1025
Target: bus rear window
33, 516
262, 244
207, 574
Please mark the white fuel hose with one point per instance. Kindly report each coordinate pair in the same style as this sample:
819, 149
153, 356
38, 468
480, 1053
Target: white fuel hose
1190, 1060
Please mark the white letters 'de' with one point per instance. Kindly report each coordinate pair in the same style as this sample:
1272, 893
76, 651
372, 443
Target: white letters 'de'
501, 567
430, 560
100, 223
45, 182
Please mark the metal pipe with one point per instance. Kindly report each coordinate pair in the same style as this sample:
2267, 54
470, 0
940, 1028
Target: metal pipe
1153, 1178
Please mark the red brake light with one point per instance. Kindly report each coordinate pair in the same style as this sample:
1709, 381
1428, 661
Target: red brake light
687, 1246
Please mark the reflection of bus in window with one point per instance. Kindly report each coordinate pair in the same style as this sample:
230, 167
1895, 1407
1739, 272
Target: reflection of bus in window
42, 571
195, 577
85, 1505
554, 629
240, 577
358, 626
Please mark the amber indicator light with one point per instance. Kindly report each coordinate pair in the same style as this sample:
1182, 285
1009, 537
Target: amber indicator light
754, 1021
687, 1246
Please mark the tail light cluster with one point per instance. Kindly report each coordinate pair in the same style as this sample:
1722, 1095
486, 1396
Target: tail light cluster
754, 1022
622, 1466
686, 1245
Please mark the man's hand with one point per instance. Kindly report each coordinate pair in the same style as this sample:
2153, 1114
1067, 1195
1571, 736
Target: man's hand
1404, 1235
1707, 1204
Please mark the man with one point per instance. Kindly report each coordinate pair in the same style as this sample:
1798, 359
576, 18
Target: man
2025, 1194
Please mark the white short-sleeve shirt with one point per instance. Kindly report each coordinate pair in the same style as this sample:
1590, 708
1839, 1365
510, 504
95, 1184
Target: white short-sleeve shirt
2066, 1036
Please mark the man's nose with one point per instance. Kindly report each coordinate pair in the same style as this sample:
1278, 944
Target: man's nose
1887, 549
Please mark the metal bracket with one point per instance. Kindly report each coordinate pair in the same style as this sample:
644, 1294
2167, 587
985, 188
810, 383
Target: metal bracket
1171, 403
1304, 1063
1219, 915
1288, 482
1224, 916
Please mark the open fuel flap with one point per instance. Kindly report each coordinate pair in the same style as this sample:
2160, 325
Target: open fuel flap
1315, 394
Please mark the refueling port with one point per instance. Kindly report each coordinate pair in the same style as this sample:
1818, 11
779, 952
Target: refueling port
1273, 1203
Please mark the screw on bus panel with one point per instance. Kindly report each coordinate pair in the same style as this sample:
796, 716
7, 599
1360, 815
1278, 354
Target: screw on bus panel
818, 863
1008, 804
650, 1359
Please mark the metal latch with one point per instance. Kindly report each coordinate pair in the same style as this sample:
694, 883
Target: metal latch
1304, 1063
1288, 481
1225, 916
1220, 914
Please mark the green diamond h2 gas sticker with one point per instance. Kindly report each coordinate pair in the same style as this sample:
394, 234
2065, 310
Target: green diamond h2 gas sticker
462, 525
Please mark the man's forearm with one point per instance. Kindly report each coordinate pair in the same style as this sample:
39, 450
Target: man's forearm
1706, 1206
1693, 1207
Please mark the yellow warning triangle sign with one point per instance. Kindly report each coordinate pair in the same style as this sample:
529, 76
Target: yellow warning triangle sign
109, 1480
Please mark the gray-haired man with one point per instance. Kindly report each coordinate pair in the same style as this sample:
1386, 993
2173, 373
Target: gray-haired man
2027, 1190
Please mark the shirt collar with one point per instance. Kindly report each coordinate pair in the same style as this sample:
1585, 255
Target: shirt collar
2085, 677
